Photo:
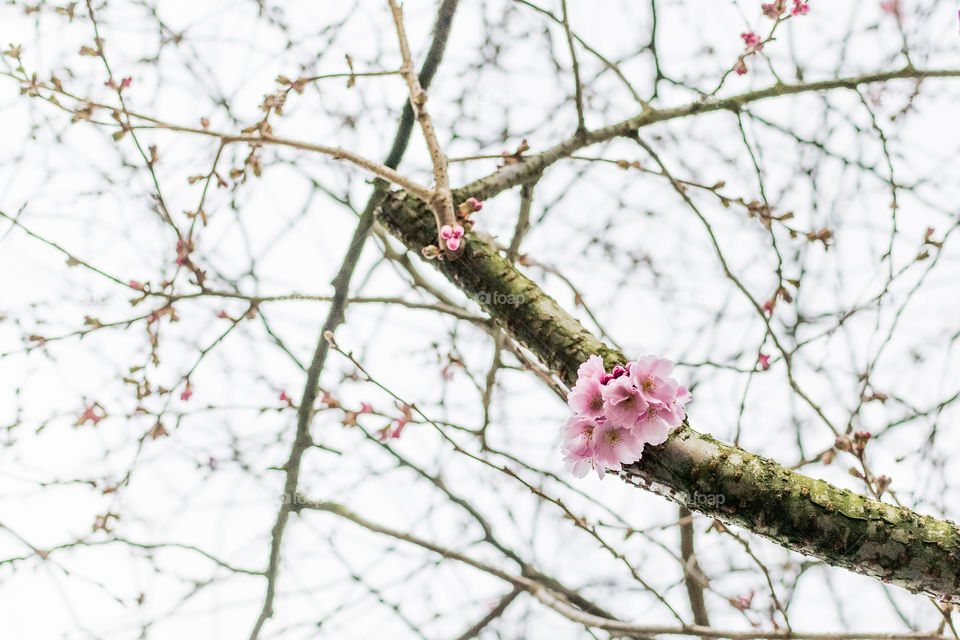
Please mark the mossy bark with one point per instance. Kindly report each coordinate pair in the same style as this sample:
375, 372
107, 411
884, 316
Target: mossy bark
897, 545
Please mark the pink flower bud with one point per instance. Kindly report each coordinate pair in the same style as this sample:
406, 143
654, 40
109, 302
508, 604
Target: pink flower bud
452, 235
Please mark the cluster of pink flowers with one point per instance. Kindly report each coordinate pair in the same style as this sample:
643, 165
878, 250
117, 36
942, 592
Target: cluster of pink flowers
619, 412
451, 236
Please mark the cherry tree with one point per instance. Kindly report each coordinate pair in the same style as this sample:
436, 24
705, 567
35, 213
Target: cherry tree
479, 319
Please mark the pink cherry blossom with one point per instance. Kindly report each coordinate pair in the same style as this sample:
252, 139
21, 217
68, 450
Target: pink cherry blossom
740, 67
651, 429
578, 444
133, 284
617, 413
683, 397
592, 368
891, 6
654, 426
613, 446
799, 8
186, 393
586, 397
622, 402
651, 376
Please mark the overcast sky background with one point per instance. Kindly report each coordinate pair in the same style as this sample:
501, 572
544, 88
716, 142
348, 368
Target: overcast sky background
641, 259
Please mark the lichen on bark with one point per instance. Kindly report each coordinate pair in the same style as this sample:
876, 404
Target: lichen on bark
842, 528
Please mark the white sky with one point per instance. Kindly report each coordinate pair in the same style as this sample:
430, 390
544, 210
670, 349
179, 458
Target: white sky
654, 279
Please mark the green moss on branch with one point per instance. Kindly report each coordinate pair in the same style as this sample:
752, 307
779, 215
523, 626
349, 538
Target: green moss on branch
919, 553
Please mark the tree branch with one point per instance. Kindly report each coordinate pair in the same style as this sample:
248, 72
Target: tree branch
897, 545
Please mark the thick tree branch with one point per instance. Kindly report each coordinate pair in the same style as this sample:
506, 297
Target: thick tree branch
897, 545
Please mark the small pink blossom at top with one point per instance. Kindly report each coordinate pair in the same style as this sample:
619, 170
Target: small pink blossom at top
799, 8
452, 236
752, 41
638, 404
764, 361
186, 393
